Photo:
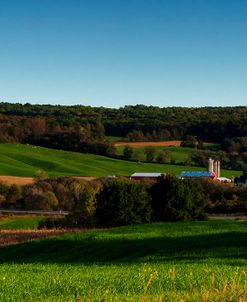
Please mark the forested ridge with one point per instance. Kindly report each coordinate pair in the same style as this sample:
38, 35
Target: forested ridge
26, 122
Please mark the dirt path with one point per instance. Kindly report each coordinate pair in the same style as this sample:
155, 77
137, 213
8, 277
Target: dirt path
149, 144
22, 181
10, 237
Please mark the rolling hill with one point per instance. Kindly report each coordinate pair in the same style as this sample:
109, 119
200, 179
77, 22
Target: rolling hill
24, 160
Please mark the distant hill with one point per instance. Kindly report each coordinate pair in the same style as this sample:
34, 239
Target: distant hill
211, 124
24, 160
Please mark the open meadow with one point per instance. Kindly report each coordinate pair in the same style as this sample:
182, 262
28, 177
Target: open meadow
177, 154
187, 261
25, 160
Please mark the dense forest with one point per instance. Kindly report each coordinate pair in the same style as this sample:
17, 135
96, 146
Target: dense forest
207, 123
83, 128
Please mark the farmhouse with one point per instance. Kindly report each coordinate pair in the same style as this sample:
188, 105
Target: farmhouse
148, 176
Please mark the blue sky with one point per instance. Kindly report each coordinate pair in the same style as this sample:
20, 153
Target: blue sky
119, 52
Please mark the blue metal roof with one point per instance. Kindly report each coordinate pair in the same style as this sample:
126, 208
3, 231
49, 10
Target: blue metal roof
196, 174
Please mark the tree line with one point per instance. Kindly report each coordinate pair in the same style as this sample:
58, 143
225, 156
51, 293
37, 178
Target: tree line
112, 202
139, 122
83, 129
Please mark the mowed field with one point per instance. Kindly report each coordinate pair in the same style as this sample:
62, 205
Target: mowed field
25, 160
189, 261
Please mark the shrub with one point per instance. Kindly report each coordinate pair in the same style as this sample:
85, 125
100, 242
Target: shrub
41, 200
150, 152
11, 195
162, 157
128, 152
84, 209
224, 198
122, 202
177, 200
40, 175
82, 213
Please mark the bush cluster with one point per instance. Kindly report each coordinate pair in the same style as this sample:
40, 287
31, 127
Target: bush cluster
119, 202
115, 202
224, 198
173, 199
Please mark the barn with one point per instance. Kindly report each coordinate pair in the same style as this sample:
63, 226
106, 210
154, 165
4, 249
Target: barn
148, 176
196, 174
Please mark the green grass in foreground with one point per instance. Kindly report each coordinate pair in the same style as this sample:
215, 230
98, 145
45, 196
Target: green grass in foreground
19, 222
24, 160
194, 261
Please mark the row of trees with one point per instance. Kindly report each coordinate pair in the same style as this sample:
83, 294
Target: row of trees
122, 202
83, 129
139, 122
150, 155
85, 137
231, 161
105, 203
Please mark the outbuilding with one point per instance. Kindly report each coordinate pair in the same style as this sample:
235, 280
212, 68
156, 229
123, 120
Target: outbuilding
148, 176
196, 174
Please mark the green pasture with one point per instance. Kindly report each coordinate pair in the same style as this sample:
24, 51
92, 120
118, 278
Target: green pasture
187, 261
25, 160
19, 222
176, 153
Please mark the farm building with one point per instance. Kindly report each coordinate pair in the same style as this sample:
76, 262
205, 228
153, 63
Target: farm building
214, 167
148, 176
213, 171
224, 179
196, 174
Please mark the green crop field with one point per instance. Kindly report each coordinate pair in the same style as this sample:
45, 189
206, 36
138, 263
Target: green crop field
24, 160
190, 261
19, 222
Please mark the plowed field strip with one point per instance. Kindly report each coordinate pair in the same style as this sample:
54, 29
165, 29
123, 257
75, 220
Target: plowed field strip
10, 237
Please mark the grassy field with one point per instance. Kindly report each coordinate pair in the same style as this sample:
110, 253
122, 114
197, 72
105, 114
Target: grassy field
177, 153
24, 160
191, 261
12, 223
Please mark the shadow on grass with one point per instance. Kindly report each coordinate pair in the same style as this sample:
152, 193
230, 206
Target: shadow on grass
92, 249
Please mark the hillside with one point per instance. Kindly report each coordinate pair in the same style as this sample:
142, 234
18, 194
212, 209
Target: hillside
24, 160
212, 124
158, 262
178, 154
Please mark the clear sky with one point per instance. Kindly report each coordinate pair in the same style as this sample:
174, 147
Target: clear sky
118, 52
